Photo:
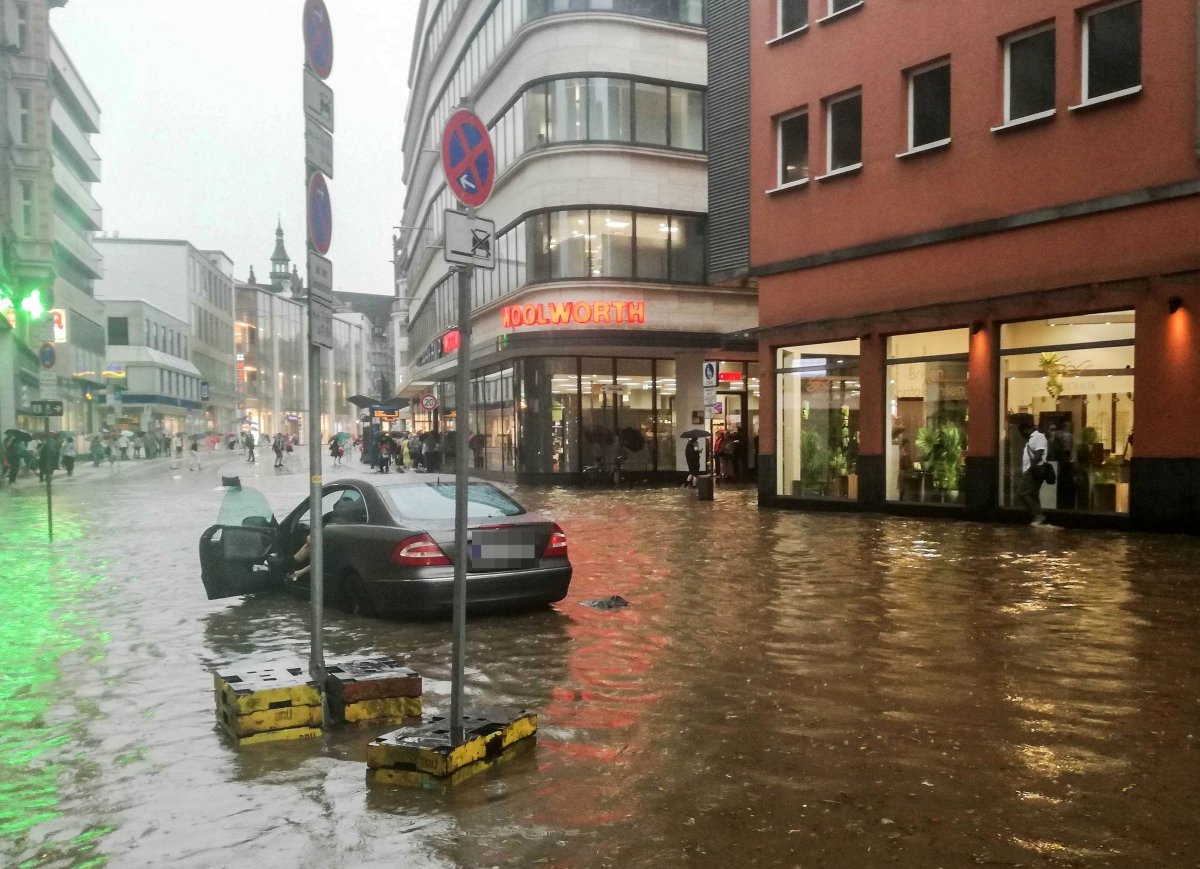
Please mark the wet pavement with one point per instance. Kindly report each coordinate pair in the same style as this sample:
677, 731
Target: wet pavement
783, 690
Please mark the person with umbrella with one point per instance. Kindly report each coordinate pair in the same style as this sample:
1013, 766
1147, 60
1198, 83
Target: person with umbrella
691, 454
14, 451
48, 458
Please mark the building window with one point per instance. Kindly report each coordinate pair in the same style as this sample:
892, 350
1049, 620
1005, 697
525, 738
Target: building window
1112, 50
118, 331
609, 113
929, 106
22, 24
24, 116
792, 132
836, 6
1029, 75
28, 214
843, 131
687, 119
650, 114
818, 390
1073, 378
792, 15
927, 416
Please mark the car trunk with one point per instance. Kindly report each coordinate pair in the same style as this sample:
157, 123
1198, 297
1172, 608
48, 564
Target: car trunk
512, 543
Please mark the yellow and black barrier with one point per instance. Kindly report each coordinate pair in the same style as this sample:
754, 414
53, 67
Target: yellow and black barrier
372, 690
268, 704
416, 756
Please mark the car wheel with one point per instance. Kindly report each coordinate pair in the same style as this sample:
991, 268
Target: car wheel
352, 597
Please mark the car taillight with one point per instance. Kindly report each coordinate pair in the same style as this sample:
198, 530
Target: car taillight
419, 551
556, 547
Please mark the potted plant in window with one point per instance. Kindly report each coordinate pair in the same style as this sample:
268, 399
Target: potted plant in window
942, 446
814, 463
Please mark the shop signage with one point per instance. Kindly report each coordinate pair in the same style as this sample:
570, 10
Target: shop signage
58, 320
112, 369
729, 376
451, 342
387, 415
568, 313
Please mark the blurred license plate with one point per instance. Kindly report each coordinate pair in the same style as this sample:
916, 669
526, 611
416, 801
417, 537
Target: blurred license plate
502, 549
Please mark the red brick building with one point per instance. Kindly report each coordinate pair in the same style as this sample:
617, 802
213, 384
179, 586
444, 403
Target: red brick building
965, 218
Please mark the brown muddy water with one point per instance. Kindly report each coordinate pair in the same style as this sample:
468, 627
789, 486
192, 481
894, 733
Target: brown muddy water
784, 689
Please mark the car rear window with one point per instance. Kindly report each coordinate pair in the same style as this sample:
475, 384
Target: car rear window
436, 501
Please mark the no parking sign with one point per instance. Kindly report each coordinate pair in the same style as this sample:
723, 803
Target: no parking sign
468, 159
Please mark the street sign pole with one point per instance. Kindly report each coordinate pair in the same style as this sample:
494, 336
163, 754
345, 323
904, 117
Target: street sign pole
316, 533
49, 498
462, 403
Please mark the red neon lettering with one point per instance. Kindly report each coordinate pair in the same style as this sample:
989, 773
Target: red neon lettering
583, 312
529, 315
507, 317
560, 312
600, 313
636, 311
543, 319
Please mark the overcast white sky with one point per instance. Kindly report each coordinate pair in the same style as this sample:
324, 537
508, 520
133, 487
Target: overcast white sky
202, 131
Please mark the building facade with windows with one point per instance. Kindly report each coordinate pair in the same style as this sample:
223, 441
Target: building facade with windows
989, 221
271, 356
589, 336
47, 219
192, 285
159, 389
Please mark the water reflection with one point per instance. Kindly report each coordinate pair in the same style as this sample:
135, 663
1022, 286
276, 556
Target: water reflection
785, 689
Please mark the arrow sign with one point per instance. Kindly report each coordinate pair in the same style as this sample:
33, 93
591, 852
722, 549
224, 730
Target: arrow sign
468, 160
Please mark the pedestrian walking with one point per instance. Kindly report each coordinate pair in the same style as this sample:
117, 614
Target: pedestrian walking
385, 453
335, 450
248, 442
69, 451
97, 451
48, 458
277, 448
194, 463
1033, 471
14, 454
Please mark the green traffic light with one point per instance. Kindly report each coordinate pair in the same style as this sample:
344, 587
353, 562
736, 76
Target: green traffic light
32, 305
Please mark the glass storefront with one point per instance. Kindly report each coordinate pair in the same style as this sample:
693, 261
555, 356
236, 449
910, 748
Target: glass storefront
1072, 377
817, 423
926, 435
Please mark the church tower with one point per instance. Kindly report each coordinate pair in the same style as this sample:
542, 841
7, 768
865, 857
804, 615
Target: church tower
281, 276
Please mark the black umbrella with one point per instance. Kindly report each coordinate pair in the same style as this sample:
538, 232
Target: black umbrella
19, 433
695, 433
631, 439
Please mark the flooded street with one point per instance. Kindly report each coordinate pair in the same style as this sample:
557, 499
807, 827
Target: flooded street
784, 689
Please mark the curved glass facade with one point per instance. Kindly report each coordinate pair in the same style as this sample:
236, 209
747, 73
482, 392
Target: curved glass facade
576, 243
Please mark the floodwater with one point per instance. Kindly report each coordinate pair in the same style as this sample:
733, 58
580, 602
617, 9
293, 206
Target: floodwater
782, 690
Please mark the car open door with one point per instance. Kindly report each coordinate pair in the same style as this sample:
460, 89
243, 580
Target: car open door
234, 552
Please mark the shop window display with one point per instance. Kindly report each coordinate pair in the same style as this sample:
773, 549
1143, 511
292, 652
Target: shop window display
549, 432
818, 420
1072, 377
927, 416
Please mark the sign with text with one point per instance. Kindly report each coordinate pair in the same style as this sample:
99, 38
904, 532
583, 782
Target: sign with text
318, 147
574, 313
320, 277
45, 408
320, 323
58, 320
47, 384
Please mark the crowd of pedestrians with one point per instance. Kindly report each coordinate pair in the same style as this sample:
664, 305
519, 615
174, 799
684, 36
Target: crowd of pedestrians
420, 451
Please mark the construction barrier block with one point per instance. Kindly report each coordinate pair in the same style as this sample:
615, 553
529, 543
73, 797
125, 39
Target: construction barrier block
428, 748
269, 719
411, 778
264, 688
371, 679
401, 709
276, 735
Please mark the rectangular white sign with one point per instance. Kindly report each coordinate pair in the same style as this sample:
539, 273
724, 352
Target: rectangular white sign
320, 323
47, 384
320, 278
318, 147
318, 100
470, 241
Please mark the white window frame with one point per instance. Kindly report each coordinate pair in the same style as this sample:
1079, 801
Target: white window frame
830, 14
1087, 99
829, 104
912, 75
28, 193
780, 184
1010, 121
780, 33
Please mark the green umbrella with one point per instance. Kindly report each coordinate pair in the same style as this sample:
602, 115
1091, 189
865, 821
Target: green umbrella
343, 436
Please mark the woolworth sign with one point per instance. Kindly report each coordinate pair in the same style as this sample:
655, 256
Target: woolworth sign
574, 313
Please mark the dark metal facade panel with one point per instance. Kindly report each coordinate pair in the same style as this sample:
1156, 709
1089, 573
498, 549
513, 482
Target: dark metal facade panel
728, 137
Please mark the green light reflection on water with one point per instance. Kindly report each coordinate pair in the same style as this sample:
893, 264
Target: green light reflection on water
42, 589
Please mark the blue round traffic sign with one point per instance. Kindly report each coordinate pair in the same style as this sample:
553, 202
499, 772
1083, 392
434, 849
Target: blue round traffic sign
318, 38
47, 355
320, 214
468, 159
